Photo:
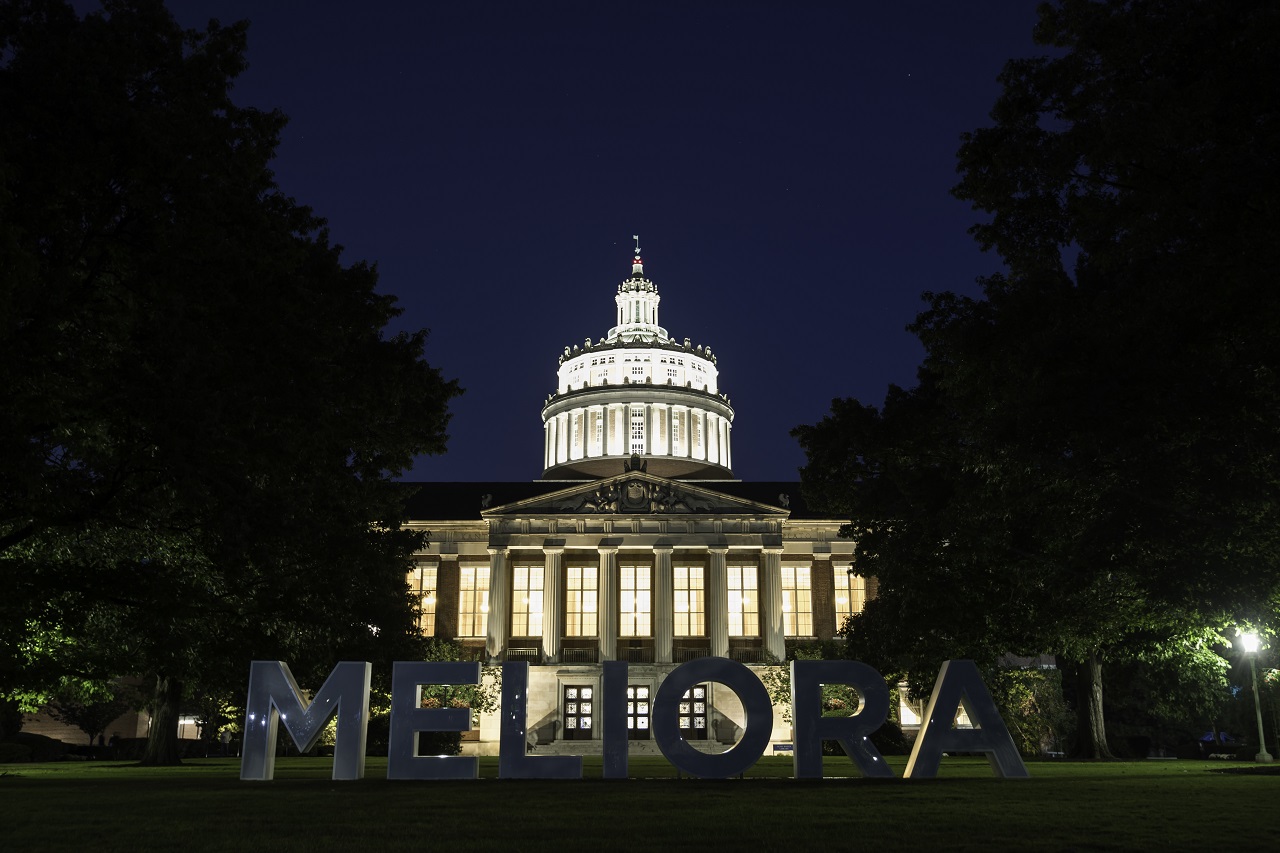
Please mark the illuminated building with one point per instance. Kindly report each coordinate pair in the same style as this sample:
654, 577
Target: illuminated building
637, 545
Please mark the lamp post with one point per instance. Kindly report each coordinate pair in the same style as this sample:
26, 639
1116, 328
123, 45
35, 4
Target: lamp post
1250, 644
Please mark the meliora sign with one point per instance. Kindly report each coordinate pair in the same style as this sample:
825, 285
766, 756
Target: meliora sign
274, 697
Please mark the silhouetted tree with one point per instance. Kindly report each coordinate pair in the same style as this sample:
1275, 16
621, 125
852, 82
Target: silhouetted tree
1091, 462
201, 411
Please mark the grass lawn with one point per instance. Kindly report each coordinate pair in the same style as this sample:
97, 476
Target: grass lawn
1150, 805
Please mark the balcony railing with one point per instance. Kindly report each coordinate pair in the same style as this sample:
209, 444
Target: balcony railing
579, 655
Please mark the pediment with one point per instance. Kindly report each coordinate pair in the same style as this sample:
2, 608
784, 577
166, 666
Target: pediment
636, 493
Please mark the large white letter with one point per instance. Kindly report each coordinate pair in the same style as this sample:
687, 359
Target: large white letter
959, 683
755, 704
854, 733
615, 744
513, 763
274, 696
408, 717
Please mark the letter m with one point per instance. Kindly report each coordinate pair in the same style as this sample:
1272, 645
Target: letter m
274, 697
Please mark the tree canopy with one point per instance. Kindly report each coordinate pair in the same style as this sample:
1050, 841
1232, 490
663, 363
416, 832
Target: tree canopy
1090, 464
201, 410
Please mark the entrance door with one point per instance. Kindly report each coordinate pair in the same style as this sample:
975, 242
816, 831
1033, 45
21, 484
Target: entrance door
693, 713
638, 712
579, 716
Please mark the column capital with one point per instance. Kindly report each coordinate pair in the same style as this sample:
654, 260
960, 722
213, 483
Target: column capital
663, 549
493, 552
608, 549
722, 550
554, 552
453, 556
772, 549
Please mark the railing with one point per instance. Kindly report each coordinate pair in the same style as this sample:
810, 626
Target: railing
531, 655
639, 654
749, 655
579, 655
684, 654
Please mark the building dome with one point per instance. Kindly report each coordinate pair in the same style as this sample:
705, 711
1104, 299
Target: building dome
637, 392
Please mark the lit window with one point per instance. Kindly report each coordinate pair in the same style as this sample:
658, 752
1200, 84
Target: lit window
579, 712
473, 601
580, 601
797, 602
688, 601
422, 583
638, 712
693, 713
637, 430
744, 614
851, 594
526, 601
634, 601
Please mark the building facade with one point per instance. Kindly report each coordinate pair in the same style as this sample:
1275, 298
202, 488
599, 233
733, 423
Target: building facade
638, 545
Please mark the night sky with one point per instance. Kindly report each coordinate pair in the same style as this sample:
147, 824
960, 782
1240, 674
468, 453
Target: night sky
786, 165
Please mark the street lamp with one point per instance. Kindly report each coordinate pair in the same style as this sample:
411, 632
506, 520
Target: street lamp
1250, 644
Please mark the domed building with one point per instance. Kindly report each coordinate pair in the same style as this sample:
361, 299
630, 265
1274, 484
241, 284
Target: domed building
637, 392
636, 545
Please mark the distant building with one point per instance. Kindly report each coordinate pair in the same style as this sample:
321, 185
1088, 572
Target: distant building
637, 545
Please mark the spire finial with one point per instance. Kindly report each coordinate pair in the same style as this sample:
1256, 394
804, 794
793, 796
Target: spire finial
637, 266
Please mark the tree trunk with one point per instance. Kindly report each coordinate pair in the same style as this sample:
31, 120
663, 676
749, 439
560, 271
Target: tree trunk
1091, 726
162, 740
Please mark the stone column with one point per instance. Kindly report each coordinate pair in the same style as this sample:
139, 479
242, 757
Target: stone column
718, 602
562, 437
771, 604
671, 430
663, 604
552, 605
499, 586
607, 604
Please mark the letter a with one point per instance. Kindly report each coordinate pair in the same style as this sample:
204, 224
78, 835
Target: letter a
959, 683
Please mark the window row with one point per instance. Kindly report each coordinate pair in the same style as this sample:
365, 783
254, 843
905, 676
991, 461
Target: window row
635, 600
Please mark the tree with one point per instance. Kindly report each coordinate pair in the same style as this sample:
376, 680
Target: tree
201, 415
90, 707
1089, 465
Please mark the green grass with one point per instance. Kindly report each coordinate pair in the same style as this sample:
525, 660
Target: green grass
1151, 805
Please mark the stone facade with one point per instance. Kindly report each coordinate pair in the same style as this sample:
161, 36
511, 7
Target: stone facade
637, 546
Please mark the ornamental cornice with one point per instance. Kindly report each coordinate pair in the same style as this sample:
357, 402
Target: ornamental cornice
669, 395
655, 342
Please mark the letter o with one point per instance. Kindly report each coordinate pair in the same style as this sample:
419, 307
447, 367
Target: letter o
755, 703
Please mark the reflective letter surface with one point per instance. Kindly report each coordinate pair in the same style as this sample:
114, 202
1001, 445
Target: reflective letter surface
755, 704
513, 763
616, 743
274, 696
854, 733
960, 683
408, 717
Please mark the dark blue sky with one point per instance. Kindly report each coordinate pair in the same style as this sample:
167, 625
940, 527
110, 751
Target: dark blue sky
786, 165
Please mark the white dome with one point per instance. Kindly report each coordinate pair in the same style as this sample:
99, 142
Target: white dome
636, 392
